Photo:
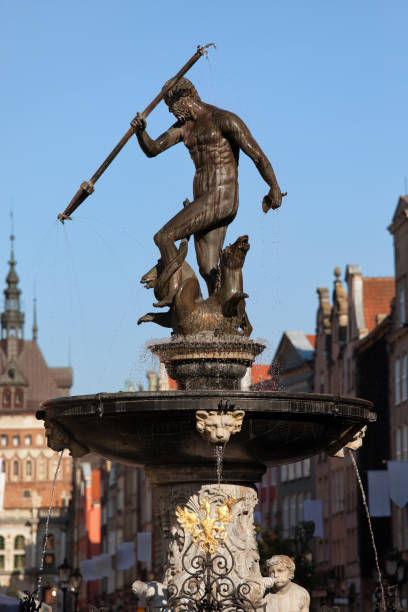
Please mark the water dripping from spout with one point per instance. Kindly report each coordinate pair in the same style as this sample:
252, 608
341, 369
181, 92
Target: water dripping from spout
219, 457
363, 495
48, 522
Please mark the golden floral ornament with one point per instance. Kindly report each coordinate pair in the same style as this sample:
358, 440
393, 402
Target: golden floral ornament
207, 526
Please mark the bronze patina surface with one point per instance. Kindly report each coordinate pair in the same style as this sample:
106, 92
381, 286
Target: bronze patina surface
214, 138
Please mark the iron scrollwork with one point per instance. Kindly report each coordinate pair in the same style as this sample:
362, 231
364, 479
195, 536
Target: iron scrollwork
29, 603
209, 587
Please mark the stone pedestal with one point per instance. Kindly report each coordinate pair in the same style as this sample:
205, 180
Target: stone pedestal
209, 530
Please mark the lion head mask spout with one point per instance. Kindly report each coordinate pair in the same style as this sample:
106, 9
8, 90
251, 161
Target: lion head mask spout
217, 427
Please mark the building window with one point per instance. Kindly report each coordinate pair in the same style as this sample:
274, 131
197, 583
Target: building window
404, 366
26, 493
405, 443
15, 468
49, 560
306, 468
1, 542
18, 398
111, 507
291, 471
41, 468
273, 476
274, 512
19, 562
4, 440
321, 382
349, 370
49, 596
284, 473
285, 517
298, 469
6, 398
19, 542
29, 468
50, 544
397, 381
16, 440
27, 440
2, 564
300, 499
264, 479
398, 444
402, 316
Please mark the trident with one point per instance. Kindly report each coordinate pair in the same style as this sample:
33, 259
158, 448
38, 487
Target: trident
88, 187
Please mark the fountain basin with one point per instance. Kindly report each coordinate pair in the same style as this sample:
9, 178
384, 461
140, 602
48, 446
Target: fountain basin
159, 428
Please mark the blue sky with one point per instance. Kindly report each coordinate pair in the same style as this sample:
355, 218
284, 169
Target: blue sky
323, 88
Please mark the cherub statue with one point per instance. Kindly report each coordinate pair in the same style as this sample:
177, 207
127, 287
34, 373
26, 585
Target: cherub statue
152, 595
283, 595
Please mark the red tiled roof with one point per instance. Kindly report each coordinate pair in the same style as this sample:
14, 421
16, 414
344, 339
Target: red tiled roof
377, 295
312, 339
259, 373
172, 384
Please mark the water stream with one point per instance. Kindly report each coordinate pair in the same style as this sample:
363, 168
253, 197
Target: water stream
47, 523
363, 495
219, 457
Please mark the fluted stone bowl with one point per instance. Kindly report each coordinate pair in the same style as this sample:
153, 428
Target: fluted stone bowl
159, 428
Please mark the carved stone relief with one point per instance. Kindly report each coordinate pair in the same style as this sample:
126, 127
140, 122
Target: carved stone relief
355, 443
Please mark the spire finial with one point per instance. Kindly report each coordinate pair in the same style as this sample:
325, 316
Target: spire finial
12, 236
337, 272
35, 326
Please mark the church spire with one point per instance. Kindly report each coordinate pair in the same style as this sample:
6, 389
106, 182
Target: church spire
12, 319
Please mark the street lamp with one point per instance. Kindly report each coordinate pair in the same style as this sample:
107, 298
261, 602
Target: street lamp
75, 584
394, 567
64, 574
